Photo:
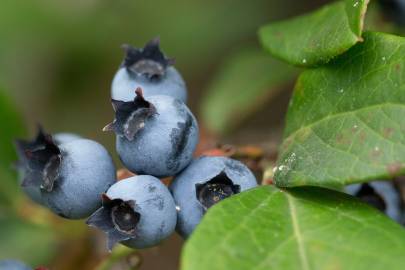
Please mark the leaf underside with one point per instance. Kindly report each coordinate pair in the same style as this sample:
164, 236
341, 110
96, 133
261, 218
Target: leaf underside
345, 122
315, 38
303, 228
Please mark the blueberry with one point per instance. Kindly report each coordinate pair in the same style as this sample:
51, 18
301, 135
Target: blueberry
394, 10
68, 178
206, 181
22, 146
138, 212
13, 265
156, 136
382, 195
149, 69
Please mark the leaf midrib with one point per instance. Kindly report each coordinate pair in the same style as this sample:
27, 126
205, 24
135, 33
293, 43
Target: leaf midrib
298, 234
259, 206
363, 77
296, 229
336, 115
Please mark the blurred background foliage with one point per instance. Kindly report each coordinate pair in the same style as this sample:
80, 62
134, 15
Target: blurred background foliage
57, 60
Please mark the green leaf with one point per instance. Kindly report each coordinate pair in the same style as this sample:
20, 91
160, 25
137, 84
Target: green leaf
345, 122
301, 228
31, 243
248, 79
11, 128
315, 38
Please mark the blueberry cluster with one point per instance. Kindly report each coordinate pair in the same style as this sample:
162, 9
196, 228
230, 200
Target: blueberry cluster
156, 136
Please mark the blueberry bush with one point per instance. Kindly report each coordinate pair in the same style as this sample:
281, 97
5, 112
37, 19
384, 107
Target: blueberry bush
329, 195
344, 125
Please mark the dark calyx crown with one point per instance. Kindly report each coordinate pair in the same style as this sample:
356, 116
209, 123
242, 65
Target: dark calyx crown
117, 218
130, 117
41, 159
371, 197
215, 190
148, 61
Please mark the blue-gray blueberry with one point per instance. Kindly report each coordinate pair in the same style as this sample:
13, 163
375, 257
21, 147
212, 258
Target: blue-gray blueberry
13, 265
69, 177
138, 212
22, 146
382, 195
149, 69
155, 136
205, 182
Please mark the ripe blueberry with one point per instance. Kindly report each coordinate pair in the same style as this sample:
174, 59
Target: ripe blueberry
22, 146
13, 265
206, 181
156, 136
69, 177
138, 212
382, 195
149, 69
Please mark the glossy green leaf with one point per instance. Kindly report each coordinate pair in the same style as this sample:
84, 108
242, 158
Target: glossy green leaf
31, 243
11, 128
345, 122
301, 228
247, 80
316, 38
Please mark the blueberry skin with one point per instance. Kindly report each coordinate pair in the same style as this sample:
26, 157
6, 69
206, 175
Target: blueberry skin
155, 205
166, 143
13, 265
202, 170
34, 193
171, 84
86, 171
65, 137
387, 192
